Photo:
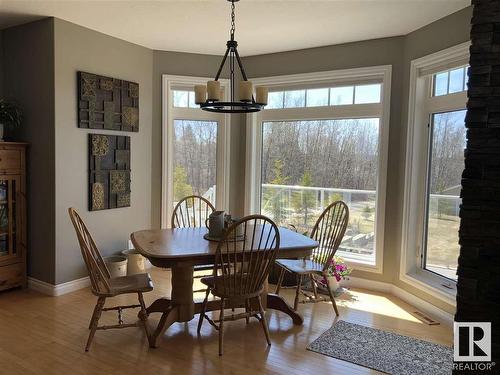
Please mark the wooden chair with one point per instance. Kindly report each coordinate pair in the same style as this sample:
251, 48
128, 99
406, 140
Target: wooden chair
103, 286
192, 211
328, 231
240, 270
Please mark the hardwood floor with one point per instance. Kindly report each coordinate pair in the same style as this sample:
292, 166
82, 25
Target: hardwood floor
47, 335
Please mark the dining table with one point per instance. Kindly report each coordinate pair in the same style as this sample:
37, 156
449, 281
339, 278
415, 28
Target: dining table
180, 250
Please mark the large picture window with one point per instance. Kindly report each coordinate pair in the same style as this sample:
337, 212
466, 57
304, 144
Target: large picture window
321, 140
306, 165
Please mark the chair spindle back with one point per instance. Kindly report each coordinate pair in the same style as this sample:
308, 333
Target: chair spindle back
329, 231
191, 212
243, 266
96, 267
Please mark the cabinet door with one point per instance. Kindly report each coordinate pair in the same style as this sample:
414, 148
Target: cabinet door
10, 220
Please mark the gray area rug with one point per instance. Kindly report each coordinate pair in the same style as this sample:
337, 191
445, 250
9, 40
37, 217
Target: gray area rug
383, 351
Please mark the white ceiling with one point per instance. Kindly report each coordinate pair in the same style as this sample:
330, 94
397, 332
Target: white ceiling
262, 26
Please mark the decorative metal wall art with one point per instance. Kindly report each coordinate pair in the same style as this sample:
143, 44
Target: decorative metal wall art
109, 171
107, 103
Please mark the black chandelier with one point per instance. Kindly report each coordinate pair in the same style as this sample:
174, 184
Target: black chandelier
210, 97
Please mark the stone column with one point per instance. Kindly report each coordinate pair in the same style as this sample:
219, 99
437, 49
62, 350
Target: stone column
478, 286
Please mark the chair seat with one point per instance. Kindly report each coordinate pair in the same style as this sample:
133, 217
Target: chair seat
300, 266
140, 282
216, 284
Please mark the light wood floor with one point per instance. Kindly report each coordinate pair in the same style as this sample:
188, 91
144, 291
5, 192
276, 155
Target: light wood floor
46, 335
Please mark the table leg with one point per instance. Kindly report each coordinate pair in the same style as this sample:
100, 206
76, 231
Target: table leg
182, 292
180, 308
169, 317
276, 302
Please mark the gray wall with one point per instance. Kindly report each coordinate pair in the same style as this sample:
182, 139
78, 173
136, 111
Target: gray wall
78, 48
29, 78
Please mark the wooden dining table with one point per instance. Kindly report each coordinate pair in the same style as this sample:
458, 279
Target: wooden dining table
180, 249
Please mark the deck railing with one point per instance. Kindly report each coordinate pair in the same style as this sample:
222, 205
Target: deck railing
301, 205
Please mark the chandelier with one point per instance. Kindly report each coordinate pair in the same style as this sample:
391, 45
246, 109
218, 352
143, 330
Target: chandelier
210, 97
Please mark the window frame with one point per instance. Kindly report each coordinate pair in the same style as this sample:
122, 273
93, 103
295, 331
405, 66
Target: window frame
357, 76
171, 113
421, 106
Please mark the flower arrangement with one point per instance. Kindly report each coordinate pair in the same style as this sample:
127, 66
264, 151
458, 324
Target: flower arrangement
338, 269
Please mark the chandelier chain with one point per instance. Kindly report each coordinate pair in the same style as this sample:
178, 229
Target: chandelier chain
233, 26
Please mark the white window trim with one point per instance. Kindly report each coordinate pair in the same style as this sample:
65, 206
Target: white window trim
419, 106
336, 77
223, 142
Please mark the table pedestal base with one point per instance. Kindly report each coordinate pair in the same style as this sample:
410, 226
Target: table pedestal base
182, 308
277, 302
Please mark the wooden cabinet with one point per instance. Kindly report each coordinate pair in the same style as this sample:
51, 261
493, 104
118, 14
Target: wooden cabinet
12, 215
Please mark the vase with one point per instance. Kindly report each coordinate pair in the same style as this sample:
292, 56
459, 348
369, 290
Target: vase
333, 283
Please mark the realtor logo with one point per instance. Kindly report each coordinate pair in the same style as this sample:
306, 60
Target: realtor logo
472, 342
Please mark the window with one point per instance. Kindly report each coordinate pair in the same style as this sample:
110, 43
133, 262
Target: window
325, 96
446, 163
324, 142
450, 81
195, 162
300, 179
435, 162
184, 99
195, 147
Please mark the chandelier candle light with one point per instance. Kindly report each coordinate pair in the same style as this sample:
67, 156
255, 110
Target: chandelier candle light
210, 97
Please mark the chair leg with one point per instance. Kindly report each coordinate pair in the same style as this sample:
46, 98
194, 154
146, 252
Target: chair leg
143, 315
95, 321
221, 325
203, 311
247, 310
93, 315
263, 321
280, 280
332, 299
297, 292
313, 283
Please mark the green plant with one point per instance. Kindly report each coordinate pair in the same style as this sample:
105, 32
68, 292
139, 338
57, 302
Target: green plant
304, 200
10, 114
181, 187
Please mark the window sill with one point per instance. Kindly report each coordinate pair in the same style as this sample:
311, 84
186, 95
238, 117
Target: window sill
359, 264
430, 284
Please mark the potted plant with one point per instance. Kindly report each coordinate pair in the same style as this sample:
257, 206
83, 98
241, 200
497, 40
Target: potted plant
337, 271
10, 116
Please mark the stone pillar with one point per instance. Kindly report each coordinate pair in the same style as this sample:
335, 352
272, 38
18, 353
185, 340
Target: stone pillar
478, 286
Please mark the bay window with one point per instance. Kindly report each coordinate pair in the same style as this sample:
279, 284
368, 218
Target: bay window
322, 138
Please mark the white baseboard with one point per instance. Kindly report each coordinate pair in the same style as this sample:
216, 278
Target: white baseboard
424, 306
59, 289
420, 304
